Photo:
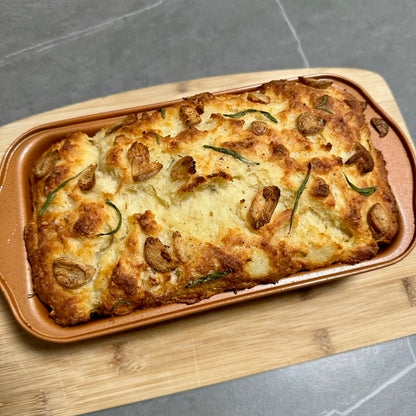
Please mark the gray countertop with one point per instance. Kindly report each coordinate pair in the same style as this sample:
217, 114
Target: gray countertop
55, 53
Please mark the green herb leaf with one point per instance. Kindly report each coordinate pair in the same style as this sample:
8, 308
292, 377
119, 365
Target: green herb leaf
52, 194
322, 104
363, 191
298, 194
208, 278
251, 110
120, 301
120, 219
231, 153
31, 295
163, 112
157, 138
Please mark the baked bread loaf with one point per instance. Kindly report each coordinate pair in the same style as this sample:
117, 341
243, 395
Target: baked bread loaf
214, 193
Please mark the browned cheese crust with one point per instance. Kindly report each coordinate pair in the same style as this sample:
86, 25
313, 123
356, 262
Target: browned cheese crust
203, 196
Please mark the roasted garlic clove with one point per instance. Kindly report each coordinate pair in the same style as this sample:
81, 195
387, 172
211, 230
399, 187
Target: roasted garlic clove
321, 84
147, 172
71, 273
189, 115
308, 123
87, 179
141, 167
380, 125
138, 154
381, 225
184, 168
180, 248
362, 158
263, 206
158, 256
46, 163
259, 127
258, 97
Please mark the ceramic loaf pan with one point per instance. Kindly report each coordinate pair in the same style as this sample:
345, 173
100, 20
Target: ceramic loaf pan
15, 212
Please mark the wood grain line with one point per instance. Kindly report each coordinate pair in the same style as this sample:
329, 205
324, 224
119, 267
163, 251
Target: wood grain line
323, 340
409, 284
124, 359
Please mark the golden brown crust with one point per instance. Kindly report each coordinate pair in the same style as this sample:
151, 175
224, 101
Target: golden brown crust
203, 197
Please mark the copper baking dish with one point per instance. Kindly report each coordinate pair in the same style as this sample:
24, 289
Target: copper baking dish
15, 212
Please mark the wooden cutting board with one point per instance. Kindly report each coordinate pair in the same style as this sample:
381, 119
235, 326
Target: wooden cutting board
41, 378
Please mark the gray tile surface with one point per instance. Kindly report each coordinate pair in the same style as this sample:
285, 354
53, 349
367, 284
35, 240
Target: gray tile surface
54, 53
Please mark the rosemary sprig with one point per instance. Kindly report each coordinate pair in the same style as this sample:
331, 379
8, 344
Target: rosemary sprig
363, 191
31, 295
163, 112
120, 219
120, 301
251, 110
231, 153
298, 194
208, 278
321, 106
52, 194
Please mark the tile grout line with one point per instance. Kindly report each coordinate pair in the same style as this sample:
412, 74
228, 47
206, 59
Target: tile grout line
292, 29
43, 46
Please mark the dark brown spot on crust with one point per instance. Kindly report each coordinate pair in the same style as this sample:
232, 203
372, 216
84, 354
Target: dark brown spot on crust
88, 221
278, 150
193, 183
189, 115
240, 145
324, 165
327, 146
124, 280
320, 188
199, 101
359, 108
221, 174
148, 223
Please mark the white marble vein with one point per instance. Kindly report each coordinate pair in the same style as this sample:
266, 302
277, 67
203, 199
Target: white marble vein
293, 30
51, 43
396, 377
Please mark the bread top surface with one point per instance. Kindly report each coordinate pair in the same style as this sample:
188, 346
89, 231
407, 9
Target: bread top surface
214, 193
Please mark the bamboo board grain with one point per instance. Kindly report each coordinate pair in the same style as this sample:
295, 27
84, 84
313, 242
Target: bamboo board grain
41, 378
